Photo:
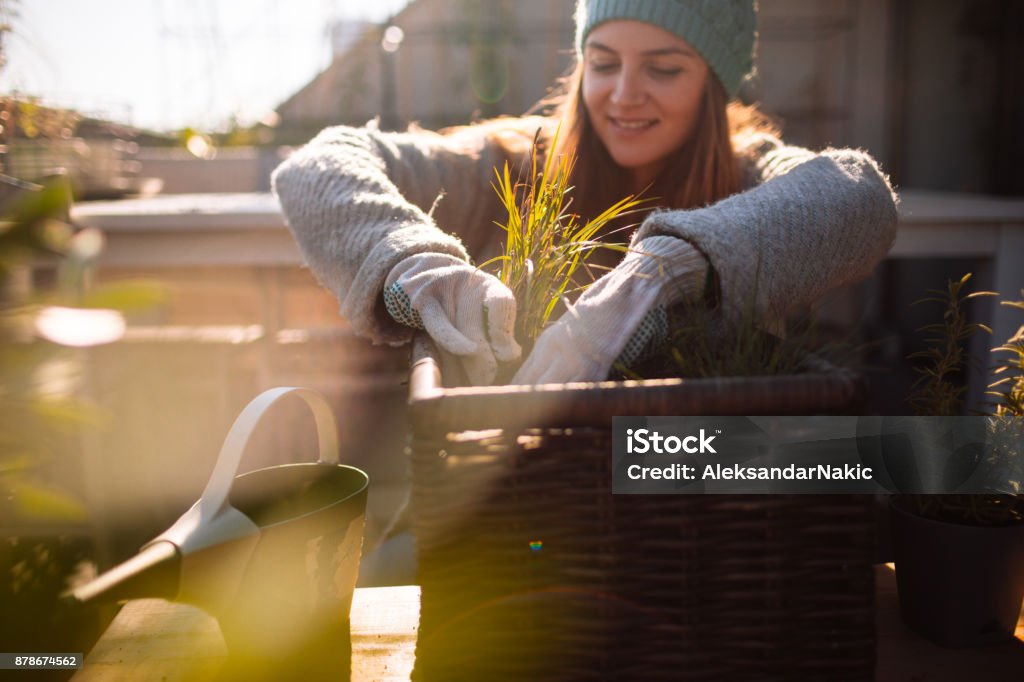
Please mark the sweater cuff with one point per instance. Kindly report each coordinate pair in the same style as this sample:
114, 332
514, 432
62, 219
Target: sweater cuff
363, 305
681, 269
687, 278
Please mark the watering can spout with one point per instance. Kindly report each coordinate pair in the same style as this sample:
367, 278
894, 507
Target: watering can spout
152, 573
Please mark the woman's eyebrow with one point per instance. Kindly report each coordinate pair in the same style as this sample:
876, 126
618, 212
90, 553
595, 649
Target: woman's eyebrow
594, 45
670, 50
601, 47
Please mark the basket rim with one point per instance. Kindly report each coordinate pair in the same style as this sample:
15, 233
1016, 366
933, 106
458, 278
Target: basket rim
434, 406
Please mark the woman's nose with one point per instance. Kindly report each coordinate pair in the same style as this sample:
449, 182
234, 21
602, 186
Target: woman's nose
628, 89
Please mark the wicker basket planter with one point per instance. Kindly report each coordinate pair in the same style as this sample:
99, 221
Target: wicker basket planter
531, 568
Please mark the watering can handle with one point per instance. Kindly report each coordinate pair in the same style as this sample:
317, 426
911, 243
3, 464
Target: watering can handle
215, 494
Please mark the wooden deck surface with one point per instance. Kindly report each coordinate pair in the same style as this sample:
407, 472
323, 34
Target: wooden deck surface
153, 639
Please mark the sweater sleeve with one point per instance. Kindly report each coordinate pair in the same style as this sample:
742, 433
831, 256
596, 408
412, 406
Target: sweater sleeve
359, 201
811, 223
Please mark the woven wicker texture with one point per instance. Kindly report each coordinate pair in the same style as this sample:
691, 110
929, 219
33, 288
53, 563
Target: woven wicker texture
531, 568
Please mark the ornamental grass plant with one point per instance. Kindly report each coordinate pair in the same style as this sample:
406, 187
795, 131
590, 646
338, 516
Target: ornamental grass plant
547, 247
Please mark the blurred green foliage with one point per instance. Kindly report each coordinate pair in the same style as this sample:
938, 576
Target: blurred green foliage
38, 416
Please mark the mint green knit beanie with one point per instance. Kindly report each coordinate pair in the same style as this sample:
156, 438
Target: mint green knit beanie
722, 31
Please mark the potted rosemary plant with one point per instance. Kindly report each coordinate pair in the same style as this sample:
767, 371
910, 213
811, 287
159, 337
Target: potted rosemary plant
960, 557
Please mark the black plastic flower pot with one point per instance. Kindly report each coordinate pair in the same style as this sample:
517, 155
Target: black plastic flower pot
959, 585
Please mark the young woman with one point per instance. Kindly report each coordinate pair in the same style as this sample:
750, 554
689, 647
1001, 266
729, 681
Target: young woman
389, 221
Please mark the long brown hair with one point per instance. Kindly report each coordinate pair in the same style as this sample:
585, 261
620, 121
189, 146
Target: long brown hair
701, 172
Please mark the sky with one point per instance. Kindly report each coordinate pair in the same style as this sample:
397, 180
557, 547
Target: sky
170, 64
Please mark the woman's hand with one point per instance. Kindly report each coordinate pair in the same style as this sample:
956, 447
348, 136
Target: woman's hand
467, 312
584, 343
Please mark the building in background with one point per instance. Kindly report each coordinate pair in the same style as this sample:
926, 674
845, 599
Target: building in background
448, 62
890, 76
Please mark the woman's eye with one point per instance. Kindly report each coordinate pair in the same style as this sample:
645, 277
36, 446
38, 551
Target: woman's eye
603, 67
665, 72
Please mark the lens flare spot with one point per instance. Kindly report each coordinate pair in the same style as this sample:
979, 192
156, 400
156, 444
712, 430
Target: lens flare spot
80, 326
392, 40
201, 146
536, 545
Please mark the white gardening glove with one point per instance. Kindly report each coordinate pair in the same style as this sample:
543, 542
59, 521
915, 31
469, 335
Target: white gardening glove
650, 337
584, 343
467, 312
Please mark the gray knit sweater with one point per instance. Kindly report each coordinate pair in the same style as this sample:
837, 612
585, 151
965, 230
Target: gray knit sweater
359, 201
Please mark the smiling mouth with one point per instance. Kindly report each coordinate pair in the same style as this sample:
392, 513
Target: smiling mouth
633, 124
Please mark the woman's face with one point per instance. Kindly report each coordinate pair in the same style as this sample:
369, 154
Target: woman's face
643, 88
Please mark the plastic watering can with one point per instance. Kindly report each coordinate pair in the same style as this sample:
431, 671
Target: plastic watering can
273, 554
